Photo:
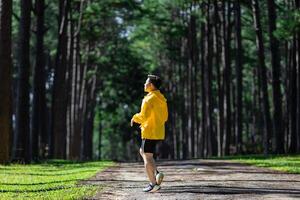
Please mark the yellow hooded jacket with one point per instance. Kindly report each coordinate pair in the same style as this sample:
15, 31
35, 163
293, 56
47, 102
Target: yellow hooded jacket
153, 115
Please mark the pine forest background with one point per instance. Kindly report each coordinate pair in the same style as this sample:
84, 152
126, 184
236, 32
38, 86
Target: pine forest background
72, 74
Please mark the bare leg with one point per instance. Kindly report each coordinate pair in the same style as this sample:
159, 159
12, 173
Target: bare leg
149, 164
150, 167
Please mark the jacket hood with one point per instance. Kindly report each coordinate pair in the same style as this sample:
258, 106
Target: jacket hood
159, 95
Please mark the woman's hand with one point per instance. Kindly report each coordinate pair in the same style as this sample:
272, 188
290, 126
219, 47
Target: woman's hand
131, 122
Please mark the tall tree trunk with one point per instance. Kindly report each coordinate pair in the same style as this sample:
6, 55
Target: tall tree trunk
69, 78
183, 107
177, 117
6, 82
239, 77
80, 88
72, 84
192, 63
59, 98
75, 140
208, 72
286, 100
203, 138
220, 122
39, 136
255, 106
22, 120
100, 136
227, 74
83, 105
298, 83
89, 119
186, 102
263, 77
292, 97
276, 83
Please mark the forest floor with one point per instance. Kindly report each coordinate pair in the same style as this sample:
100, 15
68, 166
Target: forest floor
197, 179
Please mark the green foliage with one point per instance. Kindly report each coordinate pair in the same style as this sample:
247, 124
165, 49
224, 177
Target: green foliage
121, 66
288, 25
121, 96
53, 179
124, 40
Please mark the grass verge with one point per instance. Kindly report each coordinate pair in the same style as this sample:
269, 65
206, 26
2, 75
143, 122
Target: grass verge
285, 163
53, 179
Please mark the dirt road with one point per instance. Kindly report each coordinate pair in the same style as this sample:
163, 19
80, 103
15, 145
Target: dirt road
198, 179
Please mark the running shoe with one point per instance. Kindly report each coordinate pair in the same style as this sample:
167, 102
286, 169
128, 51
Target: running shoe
151, 188
159, 177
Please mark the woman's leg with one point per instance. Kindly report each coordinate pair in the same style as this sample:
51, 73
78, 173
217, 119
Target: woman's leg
150, 167
149, 164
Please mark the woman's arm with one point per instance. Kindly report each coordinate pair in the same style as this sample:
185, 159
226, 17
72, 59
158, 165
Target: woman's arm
144, 114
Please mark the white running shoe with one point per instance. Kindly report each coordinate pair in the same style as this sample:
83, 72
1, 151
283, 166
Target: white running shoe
159, 178
151, 188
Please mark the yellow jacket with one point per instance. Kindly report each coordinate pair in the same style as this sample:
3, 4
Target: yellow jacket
153, 115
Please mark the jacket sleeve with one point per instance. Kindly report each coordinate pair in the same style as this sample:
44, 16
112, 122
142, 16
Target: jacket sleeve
166, 113
142, 116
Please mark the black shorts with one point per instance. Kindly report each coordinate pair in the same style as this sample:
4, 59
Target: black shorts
148, 146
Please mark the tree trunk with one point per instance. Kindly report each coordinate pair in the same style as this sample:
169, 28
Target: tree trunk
208, 72
39, 136
80, 106
183, 106
220, 112
72, 84
89, 119
6, 82
255, 107
192, 64
276, 83
22, 121
298, 83
239, 77
263, 77
75, 140
70, 78
292, 97
227, 74
59, 98
100, 138
203, 131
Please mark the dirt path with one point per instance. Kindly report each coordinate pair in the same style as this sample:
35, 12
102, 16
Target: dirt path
198, 179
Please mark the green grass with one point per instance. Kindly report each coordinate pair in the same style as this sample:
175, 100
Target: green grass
285, 163
54, 179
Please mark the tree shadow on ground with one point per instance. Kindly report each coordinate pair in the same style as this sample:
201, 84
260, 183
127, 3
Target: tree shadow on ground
223, 190
45, 174
39, 190
40, 183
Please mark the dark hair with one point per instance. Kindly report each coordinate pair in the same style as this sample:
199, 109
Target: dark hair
155, 80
